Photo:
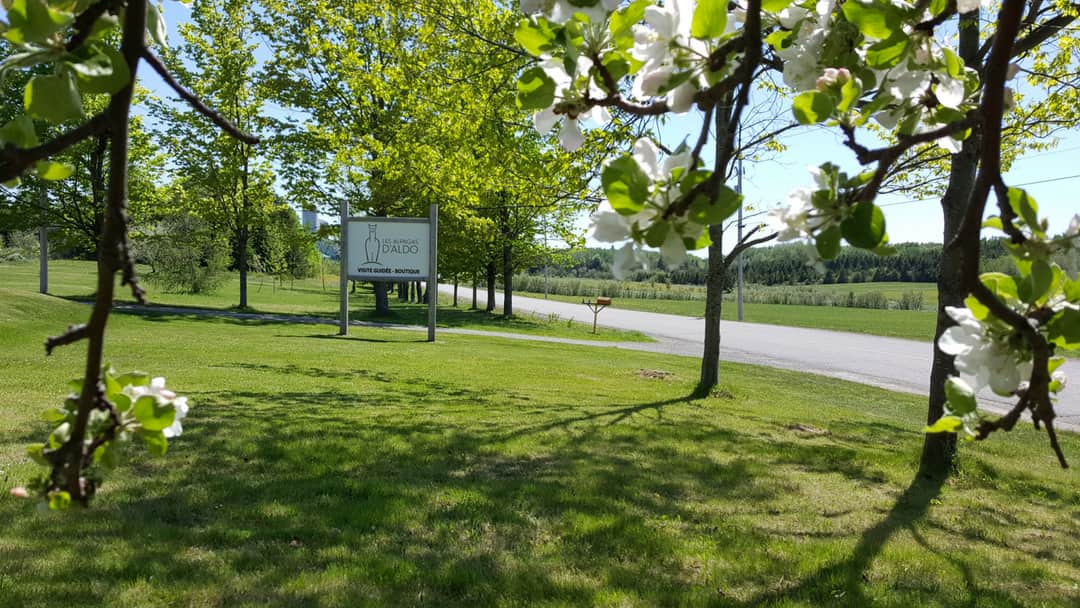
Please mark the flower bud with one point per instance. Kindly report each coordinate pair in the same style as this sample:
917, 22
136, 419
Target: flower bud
20, 492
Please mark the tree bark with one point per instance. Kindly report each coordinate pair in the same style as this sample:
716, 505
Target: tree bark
382, 298
508, 279
939, 449
242, 262
403, 292
474, 280
714, 293
455, 290
490, 287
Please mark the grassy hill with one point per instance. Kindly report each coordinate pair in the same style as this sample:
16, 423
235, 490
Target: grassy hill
380, 470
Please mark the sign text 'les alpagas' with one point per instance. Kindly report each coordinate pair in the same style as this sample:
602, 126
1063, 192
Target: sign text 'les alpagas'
388, 250
392, 250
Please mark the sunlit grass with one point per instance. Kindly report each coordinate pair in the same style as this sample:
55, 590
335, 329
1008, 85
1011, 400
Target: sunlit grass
382, 470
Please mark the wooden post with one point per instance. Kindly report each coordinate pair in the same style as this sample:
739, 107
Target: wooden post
433, 269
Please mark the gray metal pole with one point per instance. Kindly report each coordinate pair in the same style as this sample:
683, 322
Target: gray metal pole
343, 329
433, 270
739, 261
43, 248
547, 254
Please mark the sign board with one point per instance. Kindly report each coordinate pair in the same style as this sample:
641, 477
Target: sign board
392, 249
388, 249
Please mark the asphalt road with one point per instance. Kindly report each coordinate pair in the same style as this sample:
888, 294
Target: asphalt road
891, 363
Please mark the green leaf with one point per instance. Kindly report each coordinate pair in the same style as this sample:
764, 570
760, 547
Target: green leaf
152, 415
945, 424
994, 222
1064, 329
622, 21
103, 73
53, 98
535, 36
708, 212
710, 19
54, 415
877, 20
865, 228
775, 6
1001, 284
849, 94
828, 243
657, 234
60, 435
1036, 282
52, 170
155, 24
36, 453
34, 21
977, 308
133, 378
778, 40
19, 132
812, 107
535, 90
954, 65
155, 441
960, 396
107, 455
625, 185
1025, 206
59, 501
887, 53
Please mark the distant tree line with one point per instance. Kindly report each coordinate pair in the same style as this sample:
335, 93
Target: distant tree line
788, 264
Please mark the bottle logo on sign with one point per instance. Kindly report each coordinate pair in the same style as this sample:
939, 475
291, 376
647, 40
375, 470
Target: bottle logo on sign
371, 246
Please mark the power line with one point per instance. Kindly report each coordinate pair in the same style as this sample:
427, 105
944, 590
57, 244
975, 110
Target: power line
934, 198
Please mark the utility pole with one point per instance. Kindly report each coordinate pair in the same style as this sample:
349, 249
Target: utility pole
43, 244
739, 261
546, 256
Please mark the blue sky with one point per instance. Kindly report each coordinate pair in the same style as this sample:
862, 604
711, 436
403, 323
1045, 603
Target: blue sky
1052, 176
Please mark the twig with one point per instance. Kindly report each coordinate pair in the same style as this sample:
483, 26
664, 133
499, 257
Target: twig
73, 334
13, 161
84, 23
194, 101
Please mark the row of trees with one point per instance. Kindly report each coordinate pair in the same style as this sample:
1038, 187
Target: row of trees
367, 103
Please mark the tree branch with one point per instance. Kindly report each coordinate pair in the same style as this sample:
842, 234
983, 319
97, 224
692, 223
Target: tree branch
73, 334
194, 101
13, 161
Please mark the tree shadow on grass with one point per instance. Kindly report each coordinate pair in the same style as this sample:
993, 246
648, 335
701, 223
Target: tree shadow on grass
423, 492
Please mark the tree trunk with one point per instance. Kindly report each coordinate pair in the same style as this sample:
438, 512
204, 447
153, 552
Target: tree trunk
939, 449
508, 280
242, 262
474, 280
403, 292
490, 287
382, 298
714, 293
426, 292
455, 290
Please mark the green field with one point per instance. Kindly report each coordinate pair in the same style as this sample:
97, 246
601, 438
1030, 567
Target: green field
910, 324
316, 297
382, 470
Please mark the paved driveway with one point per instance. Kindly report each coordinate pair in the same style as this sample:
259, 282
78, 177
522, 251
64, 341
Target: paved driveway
892, 363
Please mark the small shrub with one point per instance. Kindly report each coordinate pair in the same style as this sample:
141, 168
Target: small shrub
185, 255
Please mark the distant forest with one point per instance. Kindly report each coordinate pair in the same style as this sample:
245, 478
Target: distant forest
788, 264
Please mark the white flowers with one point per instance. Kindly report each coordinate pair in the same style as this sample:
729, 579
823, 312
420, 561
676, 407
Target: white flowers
570, 135
663, 189
991, 362
164, 396
800, 218
1073, 230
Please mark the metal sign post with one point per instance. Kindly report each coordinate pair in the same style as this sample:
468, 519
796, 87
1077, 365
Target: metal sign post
391, 249
343, 330
433, 270
596, 306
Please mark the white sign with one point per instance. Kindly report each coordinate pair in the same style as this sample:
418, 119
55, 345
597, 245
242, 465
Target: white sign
388, 249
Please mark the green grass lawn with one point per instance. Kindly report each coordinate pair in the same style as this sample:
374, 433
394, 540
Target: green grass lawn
385, 471
312, 297
913, 325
